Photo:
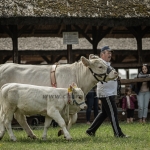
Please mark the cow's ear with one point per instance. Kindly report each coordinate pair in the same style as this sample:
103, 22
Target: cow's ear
85, 61
92, 56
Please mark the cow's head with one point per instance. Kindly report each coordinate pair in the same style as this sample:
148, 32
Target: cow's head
77, 96
100, 70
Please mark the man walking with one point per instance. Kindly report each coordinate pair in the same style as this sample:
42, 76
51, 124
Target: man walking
106, 93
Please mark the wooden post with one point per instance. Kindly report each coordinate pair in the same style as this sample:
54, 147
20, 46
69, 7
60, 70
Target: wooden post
127, 73
94, 36
1, 59
19, 59
14, 30
69, 48
139, 48
138, 34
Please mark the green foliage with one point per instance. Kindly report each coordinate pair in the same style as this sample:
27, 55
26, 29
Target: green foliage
104, 140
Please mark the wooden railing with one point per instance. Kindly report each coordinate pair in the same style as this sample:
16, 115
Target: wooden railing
128, 81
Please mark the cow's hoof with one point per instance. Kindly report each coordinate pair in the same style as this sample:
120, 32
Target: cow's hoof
2, 134
60, 132
68, 139
13, 139
44, 138
1, 137
32, 136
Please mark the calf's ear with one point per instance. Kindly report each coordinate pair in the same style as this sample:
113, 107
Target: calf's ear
85, 61
74, 85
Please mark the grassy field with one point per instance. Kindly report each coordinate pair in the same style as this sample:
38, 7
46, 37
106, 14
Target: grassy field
104, 140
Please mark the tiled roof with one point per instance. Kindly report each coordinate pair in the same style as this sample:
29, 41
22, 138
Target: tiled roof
75, 8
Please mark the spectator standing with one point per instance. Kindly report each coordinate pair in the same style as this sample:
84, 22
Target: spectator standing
128, 104
92, 102
143, 93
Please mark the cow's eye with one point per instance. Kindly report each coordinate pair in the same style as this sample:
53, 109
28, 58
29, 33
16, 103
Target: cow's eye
80, 97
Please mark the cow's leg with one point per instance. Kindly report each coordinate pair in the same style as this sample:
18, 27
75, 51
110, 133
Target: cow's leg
72, 120
23, 123
47, 123
7, 122
57, 117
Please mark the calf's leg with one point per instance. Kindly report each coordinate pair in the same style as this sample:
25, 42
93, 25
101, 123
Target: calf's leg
2, 130
54, 113
23, 123
2, 127
7, 122
47, 123
72, 120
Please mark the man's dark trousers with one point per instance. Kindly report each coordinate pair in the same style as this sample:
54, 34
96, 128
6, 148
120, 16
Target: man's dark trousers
109, 109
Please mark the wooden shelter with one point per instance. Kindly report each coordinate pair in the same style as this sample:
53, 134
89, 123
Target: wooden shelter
92, 19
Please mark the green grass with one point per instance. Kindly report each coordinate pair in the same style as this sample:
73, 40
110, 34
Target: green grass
104, 140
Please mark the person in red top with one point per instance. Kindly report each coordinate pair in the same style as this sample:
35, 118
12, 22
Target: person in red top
128, 104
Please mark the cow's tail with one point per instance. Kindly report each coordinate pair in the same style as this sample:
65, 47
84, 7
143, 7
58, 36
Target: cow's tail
1, 108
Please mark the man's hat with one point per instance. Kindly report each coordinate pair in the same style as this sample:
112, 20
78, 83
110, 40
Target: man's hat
106, 48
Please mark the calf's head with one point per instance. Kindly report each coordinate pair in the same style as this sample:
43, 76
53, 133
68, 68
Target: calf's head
77, 95
100, 70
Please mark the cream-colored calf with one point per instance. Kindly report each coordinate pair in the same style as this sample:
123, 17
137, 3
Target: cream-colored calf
30, 100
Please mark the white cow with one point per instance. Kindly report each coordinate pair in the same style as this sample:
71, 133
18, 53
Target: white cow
30, 100
85, 73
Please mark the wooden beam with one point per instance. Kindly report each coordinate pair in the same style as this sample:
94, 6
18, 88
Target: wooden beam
7, 30
74, 51
133, 31
44, 53
77, 58
145, 31
86, 28
22, 30
119, 58
32, 29
127, 65
60, 27
6, 58
129, 81
83, 33
46, 59
33, 62
103, 34
59, 58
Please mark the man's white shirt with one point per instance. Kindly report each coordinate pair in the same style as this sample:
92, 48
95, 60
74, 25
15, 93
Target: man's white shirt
108, 88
